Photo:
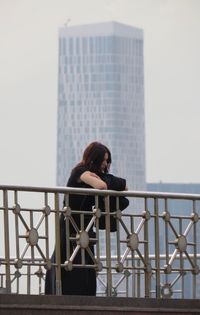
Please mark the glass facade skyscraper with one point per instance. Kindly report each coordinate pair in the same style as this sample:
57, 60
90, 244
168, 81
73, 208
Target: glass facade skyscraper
101, 98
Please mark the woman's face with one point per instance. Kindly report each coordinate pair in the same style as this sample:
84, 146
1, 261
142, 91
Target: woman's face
104, 164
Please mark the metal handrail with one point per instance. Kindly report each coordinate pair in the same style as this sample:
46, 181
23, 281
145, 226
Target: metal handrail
88, 191
144, 232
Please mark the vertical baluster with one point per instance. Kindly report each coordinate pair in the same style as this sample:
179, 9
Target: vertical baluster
7, 244
166, 239
157, 247
108, 248
46, 227
57, 234
147, 276
195, 252
17, 234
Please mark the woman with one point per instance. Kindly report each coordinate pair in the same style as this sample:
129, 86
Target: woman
91, 172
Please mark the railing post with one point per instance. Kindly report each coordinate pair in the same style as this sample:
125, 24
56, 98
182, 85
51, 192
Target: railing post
108, 247
157, 247
6, 241
147, 275
57, 234
194, 290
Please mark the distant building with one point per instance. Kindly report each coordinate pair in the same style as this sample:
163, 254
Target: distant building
187, 188
180, 208
101, 97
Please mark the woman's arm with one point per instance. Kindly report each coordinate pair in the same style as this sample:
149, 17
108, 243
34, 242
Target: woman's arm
93, 180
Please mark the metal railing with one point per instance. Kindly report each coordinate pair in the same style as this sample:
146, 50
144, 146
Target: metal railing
153, 253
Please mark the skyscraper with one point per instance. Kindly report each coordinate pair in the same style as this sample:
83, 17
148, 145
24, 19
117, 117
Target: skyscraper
101, 98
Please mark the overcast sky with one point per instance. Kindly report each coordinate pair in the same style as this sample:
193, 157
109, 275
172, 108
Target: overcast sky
28, 83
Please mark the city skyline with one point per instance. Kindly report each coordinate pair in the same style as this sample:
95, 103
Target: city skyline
28, 78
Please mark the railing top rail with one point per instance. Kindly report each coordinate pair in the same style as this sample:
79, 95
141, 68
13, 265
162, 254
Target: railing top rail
130, 193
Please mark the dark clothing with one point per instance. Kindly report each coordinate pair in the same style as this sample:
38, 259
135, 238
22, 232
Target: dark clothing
82, 281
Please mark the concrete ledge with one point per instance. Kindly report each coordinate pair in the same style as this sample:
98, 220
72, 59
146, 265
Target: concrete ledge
11, 304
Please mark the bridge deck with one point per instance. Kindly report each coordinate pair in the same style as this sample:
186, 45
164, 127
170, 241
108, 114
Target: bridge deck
71, 305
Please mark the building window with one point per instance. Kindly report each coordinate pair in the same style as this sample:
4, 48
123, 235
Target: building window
71, 46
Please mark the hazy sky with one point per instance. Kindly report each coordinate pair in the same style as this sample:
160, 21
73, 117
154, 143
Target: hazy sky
28, 83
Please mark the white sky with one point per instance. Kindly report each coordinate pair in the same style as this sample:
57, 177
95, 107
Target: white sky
28, 83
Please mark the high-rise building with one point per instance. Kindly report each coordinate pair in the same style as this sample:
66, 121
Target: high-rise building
101, 98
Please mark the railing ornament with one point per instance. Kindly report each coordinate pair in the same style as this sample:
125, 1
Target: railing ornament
166, 216
195, 270
133, 241
119, 267
127, 273
18, 263
146, 215
167, 269
181, 243
67, 212
68, 265
99, 265
118, 214
16, 208
39, 273
47, 210
82, 239
32, 237
194, 217
167, 291
17, 274
97, 212
48, 264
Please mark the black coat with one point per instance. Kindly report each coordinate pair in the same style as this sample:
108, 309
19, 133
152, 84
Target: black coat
82, 281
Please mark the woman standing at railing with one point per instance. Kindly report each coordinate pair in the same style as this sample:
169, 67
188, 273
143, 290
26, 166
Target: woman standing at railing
91, 172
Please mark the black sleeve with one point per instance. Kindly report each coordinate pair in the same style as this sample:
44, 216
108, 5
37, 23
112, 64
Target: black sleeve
74, 179
119, 184
113, 183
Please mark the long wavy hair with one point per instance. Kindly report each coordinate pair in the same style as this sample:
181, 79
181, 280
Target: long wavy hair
93, 156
